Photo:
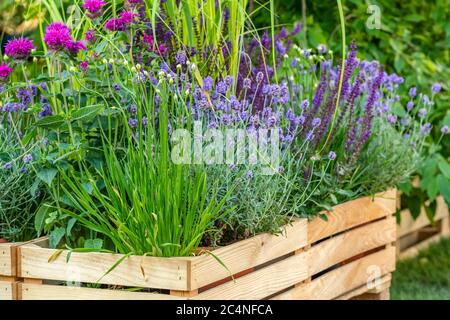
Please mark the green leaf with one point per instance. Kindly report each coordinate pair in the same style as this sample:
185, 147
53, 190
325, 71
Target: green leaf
86, 113
55, 237
34, 187
444, 187
432, 188
50, 122
29, 136
39, 219
70, 225
93, 243
47, 175
444, 166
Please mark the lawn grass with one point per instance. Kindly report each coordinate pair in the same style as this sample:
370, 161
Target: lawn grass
424, 277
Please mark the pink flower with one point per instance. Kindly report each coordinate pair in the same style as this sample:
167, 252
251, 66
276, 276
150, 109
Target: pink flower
148, 40
162, 49
90, 35
73, 47
57, 35
5, 71
94, 8
127, 17
19, 49
114, 24
84, 65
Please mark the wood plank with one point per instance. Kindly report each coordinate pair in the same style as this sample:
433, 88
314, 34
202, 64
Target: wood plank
8, 263
341, 280
91, 267
7, 290
414, 250
408, 224
54, 292
351, 243
383, 295
262, 283
247, 254
385, 283
351, 214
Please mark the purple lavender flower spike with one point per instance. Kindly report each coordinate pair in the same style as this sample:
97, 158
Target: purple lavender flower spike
436, 87
445, 129
7, 166
27, 158
331, 155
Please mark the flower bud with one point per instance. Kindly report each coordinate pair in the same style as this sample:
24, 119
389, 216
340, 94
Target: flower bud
138, 67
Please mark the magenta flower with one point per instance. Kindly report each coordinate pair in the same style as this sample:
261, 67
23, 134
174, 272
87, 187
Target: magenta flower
148, 40
94, 8
57, 36
73, 47
162, 49
90, 35
19, 49
5, 71
127, 17
114, 24
84, 65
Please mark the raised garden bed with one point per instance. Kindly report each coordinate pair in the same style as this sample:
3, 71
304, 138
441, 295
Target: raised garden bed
414, 235
334, 259
8, 271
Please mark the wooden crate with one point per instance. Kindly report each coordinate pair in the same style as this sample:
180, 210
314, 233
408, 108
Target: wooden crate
310, 260
8, 271
415, 235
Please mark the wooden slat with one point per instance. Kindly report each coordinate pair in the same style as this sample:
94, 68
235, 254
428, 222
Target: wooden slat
352, 214
90, 267
262, 283
54, 292
7, 291
339, 281
414, 250
385, 283
382, 295
247, 254
351, 243
8, 263
409, 225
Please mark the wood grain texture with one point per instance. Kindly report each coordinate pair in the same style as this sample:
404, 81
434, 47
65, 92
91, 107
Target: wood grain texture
385, 283
8, 259
7, 290
247, 254
408, 224
54, 292
343, 279
351, 214
351, 243
134, 271
262, 283
414, 250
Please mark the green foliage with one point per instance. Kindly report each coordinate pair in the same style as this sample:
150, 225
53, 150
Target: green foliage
148, 204
20, 191
425, 276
